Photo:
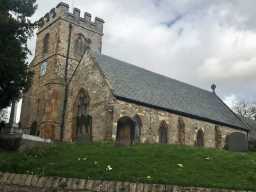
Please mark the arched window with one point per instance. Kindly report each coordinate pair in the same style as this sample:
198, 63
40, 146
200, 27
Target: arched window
81, 45
137, 129
181, 131
46, 44
199, 138
218, 137
82, 120
125, 130
163, 133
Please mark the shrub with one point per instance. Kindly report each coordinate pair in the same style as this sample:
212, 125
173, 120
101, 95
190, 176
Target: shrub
10, 142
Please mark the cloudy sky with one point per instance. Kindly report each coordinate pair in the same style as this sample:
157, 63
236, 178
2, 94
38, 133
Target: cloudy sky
195, 41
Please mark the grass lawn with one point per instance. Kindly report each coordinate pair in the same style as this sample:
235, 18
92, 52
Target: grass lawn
168, 164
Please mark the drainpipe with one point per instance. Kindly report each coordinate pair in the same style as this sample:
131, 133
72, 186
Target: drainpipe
62, 126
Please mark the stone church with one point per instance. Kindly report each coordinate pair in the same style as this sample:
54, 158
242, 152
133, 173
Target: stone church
79, 94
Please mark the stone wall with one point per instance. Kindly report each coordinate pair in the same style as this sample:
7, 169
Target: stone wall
89, 78
43, 102
32, 183
151, 119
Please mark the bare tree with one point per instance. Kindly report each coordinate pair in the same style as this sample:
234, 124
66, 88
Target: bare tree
245, 109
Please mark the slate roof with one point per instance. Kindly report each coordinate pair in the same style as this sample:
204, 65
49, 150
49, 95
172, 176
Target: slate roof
136, 84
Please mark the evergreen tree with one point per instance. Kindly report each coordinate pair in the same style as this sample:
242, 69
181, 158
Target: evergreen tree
15, 29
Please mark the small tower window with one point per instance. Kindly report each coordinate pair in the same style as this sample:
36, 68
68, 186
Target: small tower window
46, 44
81, 45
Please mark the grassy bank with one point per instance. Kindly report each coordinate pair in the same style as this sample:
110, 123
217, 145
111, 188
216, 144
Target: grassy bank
167, 164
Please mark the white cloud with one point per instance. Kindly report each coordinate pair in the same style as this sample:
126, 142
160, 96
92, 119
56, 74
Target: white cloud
196, 41
231, 100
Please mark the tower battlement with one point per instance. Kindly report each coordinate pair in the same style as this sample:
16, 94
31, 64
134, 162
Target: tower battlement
62, 11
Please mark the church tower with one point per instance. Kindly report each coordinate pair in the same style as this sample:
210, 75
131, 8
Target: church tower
62, 39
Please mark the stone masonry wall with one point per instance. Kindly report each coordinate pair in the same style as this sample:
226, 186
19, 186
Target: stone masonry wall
89, 78
43, 103
40, 93
32, 183
151, 119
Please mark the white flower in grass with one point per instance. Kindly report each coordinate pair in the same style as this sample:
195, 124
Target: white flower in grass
79, 159
84, 158
180, 165
95, 162
109, 168
148, 177
207, 158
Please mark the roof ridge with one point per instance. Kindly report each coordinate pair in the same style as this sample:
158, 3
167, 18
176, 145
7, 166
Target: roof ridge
165, 76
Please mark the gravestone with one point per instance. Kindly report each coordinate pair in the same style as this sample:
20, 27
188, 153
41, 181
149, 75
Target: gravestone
237, 142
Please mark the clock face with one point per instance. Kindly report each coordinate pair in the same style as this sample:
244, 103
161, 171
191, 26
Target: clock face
43, 68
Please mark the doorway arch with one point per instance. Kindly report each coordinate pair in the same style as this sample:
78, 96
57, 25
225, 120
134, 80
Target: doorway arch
125, 131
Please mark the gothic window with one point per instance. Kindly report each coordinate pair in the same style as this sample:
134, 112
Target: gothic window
125, 131
81, 45
83, 121
163, 133
46, 44
181, 131
199, 138
137, 129
218, 137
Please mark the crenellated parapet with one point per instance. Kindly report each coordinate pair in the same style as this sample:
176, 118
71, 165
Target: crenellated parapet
62, 11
